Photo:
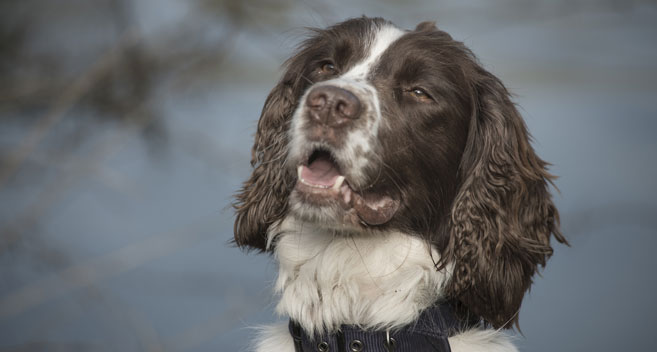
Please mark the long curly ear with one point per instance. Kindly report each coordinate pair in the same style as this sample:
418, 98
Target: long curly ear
263, 197
503, 217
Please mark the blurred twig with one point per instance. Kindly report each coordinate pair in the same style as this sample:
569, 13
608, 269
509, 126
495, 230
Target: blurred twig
102, 268
11, 232
63, 104
107, 177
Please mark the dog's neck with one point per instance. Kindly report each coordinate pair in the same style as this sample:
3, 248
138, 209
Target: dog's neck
376, 280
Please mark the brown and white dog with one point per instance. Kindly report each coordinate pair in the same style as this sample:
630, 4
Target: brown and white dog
391, 172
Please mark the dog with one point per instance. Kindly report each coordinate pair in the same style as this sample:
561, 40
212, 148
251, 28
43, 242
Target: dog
394, 182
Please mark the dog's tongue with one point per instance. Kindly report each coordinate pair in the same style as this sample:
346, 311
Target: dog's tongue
321, 171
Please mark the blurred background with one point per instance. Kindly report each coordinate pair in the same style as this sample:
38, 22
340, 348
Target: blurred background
126, 126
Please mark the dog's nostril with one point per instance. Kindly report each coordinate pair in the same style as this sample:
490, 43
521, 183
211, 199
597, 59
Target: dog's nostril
346, 104
316, 100
348, 108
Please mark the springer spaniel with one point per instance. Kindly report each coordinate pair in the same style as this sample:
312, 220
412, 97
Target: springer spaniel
394, 181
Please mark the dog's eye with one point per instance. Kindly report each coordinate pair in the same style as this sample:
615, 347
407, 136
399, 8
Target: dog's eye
420, 94
327, 68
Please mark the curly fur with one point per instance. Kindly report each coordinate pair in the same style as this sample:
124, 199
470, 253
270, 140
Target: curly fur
503, 216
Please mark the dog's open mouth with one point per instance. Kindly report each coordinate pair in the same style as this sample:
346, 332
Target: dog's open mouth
321, 180
321, 172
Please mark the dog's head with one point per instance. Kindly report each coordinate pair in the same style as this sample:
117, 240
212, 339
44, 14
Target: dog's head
373, 128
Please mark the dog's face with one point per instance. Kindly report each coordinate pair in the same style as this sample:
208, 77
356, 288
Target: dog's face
373, 128
377, 135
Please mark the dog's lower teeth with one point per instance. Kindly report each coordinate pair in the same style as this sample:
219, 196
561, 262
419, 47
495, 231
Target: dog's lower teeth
338, 183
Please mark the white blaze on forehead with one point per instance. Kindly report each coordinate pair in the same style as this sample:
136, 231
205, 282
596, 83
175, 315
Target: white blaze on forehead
381, 40
358, 149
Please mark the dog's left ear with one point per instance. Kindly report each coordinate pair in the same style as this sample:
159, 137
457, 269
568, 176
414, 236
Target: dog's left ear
503, 217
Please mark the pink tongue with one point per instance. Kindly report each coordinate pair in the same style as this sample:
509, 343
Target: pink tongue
320, 172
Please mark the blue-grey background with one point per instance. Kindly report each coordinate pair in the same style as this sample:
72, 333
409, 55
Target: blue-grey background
125, 128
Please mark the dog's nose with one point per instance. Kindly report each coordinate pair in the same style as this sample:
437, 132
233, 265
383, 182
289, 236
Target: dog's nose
332, 106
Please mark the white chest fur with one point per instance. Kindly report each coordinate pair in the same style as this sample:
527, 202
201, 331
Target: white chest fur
377, 280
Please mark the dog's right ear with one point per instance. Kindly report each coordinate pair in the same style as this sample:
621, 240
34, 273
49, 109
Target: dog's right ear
264, 196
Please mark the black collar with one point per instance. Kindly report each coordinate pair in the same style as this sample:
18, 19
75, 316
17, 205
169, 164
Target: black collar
428, 333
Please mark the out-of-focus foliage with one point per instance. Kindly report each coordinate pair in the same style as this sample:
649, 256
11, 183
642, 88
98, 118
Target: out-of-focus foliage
106, 61
125, 128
